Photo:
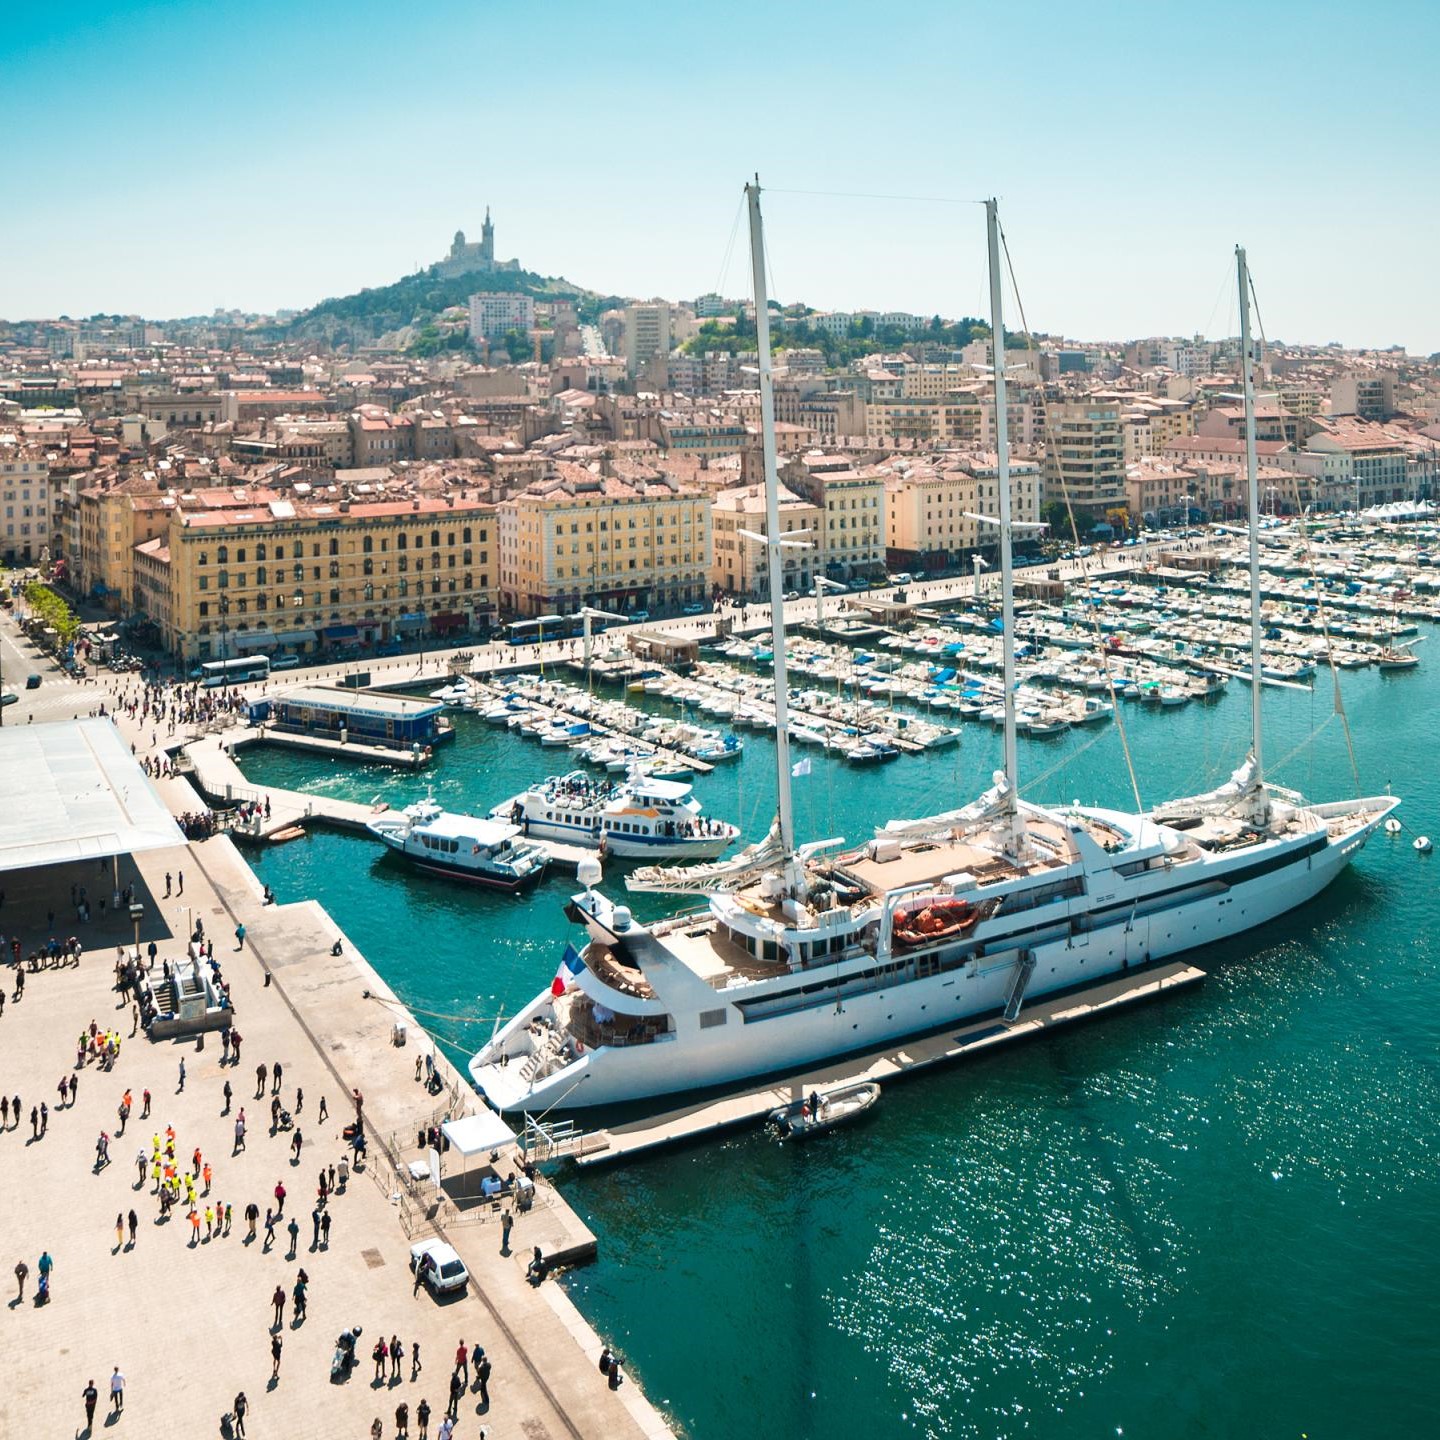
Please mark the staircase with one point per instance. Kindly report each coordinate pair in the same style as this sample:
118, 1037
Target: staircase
540, 1057
1024, 969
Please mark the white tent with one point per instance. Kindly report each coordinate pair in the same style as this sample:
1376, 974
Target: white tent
477, 1134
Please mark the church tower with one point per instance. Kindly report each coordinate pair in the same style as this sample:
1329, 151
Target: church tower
487, 242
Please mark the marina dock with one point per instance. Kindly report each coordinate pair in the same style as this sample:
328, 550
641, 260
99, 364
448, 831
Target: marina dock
693, 1122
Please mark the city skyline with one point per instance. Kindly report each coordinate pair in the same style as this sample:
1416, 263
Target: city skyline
1122, 181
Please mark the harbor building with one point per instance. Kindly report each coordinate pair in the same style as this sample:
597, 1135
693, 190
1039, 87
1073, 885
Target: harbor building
741, 565
1085, 456
366, 717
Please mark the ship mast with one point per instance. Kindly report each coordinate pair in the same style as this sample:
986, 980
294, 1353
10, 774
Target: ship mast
1253, 501
1002, 456
775, 544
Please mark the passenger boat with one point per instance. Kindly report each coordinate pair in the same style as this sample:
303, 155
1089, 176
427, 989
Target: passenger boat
481, 852
639, 817
791, 955
823, 1110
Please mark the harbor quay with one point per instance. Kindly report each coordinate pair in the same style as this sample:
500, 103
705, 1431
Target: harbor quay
184, 1310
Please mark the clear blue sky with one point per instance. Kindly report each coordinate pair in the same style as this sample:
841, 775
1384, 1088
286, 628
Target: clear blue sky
169, 159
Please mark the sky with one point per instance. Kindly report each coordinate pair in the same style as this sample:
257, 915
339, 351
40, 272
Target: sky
171, 159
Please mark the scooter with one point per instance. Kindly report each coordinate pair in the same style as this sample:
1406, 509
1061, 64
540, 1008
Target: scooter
344, 1359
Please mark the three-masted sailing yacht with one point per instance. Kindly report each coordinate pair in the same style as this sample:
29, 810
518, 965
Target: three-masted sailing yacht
799, 954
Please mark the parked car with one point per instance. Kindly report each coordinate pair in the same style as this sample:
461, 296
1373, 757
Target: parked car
8, 698
694, 608
285, 662
32, 682
439, 1267
638, 617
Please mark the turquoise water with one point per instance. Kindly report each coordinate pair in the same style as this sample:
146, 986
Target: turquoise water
1215, 1215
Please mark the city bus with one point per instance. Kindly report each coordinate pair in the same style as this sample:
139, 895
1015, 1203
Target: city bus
215, 673
551, 627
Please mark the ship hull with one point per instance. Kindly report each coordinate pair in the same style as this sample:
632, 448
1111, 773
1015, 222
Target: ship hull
764, 1044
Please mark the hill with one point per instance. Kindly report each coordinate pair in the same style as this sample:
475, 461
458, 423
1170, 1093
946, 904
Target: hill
413, 303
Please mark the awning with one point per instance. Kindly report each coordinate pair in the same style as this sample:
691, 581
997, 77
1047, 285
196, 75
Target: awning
478, 1134
296, 637
368, 624
450, 621
341, 632
409, 622
252, 641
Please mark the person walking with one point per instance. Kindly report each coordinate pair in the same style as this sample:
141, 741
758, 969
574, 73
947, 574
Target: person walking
315, 1231
279, 1197
325, 1230
296, 1144
226, 1092
377, 1429
276, 1073
117, 1391
299, 1293
462, 1363
260, 1074
397, 1356
22, 1273
481, 1361
119, 1231
181, 1086
240, 936
422, 1420
457, 1389
238, 1409
293, 1229
179, 882
507, 1224
239, 1132
447, 1428
134, 1221
379, 1355
275, 1347
91, 1396
269, 1230
415, 1365
252, 1216
402, 1421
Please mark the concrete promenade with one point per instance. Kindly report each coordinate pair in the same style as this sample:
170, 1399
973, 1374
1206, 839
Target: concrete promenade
188, 1320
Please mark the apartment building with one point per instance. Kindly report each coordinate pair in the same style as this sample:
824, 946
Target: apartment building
578, 537
25, 509
269, 573
930, 501
1085, 455
850, 539
646, 334
1379, 460
493, 314
741, 565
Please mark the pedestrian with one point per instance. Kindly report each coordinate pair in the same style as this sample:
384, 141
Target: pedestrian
240, 936
462, 1363
4, 1112
252, 1216
278, 1301
452, 1410
296, 1144
206, 1174
22, 1271
422, 1419
260, 1073
299, 1292
239, 1132
279, 1197
229, 1210
239, 1408
299, 1100
193, 1216
144, 1102
140, 1166
226, 1092
402, 1421
507, 1223
325, 1230
182, 1075
415, 1366
447, 1428
481, 1362
90, 1395
179, 882
275, 1080
377, 1430
379, 1355
167, 884
119, 1231
269, 1229
324, 1110
117, 1391
315, 1232
275, 1347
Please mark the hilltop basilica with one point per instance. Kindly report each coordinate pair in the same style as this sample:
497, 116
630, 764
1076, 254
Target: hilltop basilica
468, 258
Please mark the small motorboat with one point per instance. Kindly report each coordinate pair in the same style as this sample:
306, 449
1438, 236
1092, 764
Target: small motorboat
824, 1109
290, 832
929, 921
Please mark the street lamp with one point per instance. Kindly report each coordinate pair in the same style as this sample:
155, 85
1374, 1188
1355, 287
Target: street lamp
821, 586
224, 611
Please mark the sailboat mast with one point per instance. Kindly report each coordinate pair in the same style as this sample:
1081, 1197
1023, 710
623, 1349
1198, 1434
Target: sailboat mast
1002, 456
773, 545
1252, 485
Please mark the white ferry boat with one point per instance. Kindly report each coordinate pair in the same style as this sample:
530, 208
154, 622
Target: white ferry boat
482, 852
798, 956
637, 818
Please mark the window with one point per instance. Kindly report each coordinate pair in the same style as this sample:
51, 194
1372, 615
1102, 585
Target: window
334, 547
222, 554
367, 545
334, 596
204, 582
368, 566
204, 558
204, 608
402, 542
465, 535
450, 538
260, 551
334, 569
279, 552
261, 575
299, 572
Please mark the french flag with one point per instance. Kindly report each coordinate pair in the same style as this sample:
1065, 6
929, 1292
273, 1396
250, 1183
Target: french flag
571, 964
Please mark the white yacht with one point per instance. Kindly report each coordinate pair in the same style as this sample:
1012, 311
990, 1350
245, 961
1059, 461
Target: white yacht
799, 954
636, 818
482, 852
